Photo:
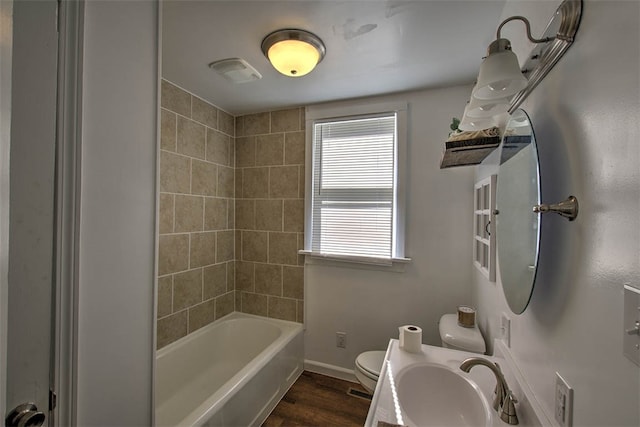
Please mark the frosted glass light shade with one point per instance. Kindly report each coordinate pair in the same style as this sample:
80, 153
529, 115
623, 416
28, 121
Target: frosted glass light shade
472, 124
293, 52
484, 108
293, 58
499, 76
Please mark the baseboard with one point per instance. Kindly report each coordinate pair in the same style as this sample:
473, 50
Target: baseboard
330, 370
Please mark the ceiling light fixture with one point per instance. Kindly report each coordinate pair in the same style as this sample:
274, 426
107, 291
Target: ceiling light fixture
501, 85
293, 52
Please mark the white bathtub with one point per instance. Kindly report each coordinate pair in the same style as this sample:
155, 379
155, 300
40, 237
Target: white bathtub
232, 372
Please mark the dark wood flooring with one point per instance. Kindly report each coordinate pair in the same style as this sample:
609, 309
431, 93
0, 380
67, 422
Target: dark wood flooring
318, 400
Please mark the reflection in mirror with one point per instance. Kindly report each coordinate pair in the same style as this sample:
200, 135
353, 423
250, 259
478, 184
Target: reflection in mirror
517, 226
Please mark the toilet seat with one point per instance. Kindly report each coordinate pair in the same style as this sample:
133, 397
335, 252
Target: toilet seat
370, 363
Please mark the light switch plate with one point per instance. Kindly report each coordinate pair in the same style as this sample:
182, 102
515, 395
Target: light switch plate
631, 329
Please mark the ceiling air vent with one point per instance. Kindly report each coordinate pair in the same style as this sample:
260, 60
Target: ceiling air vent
236, 70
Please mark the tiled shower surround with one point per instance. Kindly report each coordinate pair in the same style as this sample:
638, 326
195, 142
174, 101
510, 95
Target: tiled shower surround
231, 214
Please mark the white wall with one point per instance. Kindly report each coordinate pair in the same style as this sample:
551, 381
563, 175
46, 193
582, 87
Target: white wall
118, 198
370, 305
585, 118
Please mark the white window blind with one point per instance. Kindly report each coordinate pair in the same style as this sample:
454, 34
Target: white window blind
354, 186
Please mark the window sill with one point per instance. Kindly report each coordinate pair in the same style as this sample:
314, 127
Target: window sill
391, 264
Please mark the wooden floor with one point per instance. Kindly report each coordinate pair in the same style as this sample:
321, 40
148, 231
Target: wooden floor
318, 400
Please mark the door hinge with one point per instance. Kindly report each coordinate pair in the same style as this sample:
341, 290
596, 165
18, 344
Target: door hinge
53, 400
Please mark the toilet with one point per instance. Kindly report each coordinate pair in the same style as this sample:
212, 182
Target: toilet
452, 335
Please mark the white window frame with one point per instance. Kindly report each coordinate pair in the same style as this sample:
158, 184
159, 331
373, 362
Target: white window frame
354, 109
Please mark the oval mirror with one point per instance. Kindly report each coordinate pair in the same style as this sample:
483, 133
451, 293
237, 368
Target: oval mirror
517, 226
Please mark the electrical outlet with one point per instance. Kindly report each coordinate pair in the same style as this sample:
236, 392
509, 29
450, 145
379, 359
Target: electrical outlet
563, 410
341, 339
505, 328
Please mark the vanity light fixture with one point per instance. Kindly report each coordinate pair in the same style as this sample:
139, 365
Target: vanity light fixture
501, 81
293, 52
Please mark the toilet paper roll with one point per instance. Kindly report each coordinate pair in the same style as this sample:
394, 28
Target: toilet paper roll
466, 316
411, 338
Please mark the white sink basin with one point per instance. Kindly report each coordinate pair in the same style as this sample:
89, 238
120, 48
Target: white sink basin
434, 395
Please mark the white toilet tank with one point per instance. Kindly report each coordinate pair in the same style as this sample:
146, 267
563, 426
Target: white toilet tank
458, 337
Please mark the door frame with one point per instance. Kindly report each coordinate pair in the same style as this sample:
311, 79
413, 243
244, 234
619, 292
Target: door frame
67, 211
6, 36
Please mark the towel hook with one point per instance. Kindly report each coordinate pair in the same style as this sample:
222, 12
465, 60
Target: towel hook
567, 208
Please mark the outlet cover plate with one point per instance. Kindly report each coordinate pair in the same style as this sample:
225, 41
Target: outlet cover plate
563, 402
341, 339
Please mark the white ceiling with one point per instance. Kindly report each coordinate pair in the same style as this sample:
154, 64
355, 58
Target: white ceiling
373, 47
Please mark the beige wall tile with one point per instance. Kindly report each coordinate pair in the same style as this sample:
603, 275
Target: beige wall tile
245, 276
254, 304
187, 289
255, 184
240, 126
175, 173
257, 124
173, 253
225, 304
204, 178
300, 311
231, 214
301, 183
203, 249
189, 212
246, 151
204, 112
218, 147
282, 308
231, 275
165, 218
254, 246
245, 214
191, 138
293, 282
238, 238
215, 281
270, 149
171, 328
224, 246
302, 119
283, 182
238, 299
239, 180
215, 213
226, 184
294, 215
226, 123
285, 120
165, 296
283, 248
269, 279
168, 130
175, 99
269, 215
294, 148
300, 247
201, 315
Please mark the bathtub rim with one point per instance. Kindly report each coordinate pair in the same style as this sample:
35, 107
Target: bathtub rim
217, 400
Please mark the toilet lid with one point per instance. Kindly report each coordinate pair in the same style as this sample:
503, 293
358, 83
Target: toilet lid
370, 362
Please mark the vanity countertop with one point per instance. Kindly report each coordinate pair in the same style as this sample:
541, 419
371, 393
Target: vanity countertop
386, 408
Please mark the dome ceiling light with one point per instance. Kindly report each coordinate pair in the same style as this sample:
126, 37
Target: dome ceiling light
293, 52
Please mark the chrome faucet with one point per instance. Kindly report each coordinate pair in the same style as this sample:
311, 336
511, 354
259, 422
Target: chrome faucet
504, 402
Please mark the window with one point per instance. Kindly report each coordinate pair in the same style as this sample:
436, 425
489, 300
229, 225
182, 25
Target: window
355, 206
